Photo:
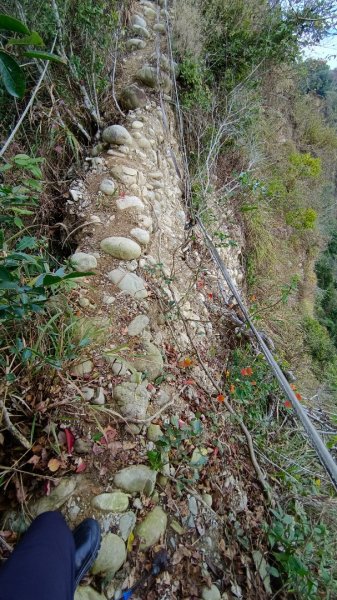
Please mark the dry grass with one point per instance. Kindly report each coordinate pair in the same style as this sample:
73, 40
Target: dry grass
187, 32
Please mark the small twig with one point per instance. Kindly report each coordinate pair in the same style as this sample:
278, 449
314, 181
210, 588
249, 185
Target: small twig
4, 544
29, 105
12, 429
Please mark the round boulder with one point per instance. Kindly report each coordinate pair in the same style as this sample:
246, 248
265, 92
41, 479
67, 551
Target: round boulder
121, 247
116, 134
82, 261
107, 187
132, 97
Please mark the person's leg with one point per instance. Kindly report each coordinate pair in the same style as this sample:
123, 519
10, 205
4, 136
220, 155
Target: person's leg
42, 566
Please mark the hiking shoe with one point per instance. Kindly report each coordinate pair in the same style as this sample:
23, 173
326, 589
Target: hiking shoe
87, 536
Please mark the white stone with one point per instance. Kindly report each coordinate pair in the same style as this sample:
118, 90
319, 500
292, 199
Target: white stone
132, 266
138, 324
211, 593
138, 20
81, 369
128, 202
94, 219
135, 44
88, 393
137, 125
107, 187
129, 171
129, 283
137, 478
121, 247
100, 397
84, 302
87, 593
152, 528
141, 235
116, 134
75, 194
111, 502
146, 222
82, 261
107, 299
111, 556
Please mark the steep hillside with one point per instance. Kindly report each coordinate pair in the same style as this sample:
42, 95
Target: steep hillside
133, 390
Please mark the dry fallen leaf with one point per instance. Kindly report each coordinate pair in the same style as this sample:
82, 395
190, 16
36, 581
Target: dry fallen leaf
54, 464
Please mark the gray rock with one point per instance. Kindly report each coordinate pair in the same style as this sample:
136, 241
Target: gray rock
111, 556
141, 235
107, 187
132, 399
129, 283
82, 261
162, 398
138, 20
88, 393
132, 265
148, 76
111, 502
143, 142
164, 62
132, 97
82, 446
159, 28
56, 498
154, 432
87, 593
121, 247
135, 44
119, 367
207, 498
15, 521
116, 134
124, 174
138, 324
130, 202
127, 524
108, 300
137, 478
82, 368
84, 302
149, 361
193, 506
150, 13
100, 397
152, 528
211, 593
141, 32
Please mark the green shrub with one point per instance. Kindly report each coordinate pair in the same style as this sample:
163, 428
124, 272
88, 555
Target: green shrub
305, 165
319, 343
301, 218
195, 91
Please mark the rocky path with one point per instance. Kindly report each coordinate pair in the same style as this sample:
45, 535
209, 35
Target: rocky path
142, 398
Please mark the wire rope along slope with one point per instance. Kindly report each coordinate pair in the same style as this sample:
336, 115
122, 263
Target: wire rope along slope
316, 441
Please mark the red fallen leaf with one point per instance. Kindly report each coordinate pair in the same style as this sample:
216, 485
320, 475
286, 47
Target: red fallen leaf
216, 451
288, 404
187, 362
210, 295
34, 460
46, 487
109, 435
200, 284
181, 424
70, 440
220, 398
298, 396
188, 382
150, 387
81, 466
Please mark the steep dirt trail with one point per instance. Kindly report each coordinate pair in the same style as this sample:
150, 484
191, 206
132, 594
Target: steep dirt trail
153, 303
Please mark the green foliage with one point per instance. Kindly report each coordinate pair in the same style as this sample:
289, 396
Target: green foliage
303, 552
301, 218
305, 165
173, 445
26, 279
11, 73
319, 343
195, 91
316, 77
